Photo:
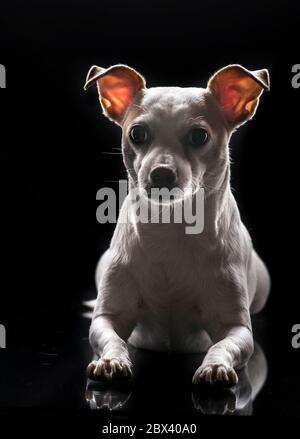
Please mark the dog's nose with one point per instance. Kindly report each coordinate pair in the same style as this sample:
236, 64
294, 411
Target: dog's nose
163, 176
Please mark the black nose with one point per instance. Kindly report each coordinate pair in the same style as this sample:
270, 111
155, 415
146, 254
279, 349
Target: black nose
163, 176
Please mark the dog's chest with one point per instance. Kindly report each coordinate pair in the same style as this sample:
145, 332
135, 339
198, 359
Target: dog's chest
176, 272
175, 301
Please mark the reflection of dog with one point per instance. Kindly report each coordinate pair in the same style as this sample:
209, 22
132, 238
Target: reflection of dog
159, 287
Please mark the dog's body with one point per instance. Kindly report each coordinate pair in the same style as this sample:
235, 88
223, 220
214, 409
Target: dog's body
158, 287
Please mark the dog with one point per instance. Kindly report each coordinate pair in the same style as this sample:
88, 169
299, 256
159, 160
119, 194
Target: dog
160, 288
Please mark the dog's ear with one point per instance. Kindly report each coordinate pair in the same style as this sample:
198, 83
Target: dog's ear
238, 90
117, 87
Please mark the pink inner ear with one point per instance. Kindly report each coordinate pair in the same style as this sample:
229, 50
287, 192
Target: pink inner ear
117, 94
230, 97
236, 96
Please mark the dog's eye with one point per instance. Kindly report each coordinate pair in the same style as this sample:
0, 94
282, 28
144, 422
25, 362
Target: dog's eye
138, 134
198, 136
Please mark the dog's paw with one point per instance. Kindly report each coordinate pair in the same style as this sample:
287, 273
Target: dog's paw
108, 369
215, 374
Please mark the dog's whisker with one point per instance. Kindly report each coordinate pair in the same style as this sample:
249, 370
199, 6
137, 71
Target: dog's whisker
111, 153
111, 181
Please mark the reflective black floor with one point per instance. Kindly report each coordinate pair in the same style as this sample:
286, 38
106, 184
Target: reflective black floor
43, 369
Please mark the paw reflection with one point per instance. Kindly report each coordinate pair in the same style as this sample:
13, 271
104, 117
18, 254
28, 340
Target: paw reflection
107, 398
216, 402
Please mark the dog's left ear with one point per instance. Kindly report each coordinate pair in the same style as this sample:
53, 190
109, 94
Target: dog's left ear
117, 87
238, 90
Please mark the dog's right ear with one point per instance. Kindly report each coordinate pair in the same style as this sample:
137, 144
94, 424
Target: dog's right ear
117, 87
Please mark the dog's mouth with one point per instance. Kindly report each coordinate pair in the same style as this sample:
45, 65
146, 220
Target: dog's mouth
167, 195
164, 195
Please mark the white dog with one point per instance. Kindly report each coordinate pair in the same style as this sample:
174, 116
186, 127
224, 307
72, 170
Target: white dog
158, 287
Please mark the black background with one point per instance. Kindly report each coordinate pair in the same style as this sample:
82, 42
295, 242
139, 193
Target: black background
53, 142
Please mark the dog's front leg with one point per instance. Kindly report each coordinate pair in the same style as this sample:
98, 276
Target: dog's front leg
114, 318
232, 349
108, 335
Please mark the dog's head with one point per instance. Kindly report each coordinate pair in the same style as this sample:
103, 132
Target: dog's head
178, 137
